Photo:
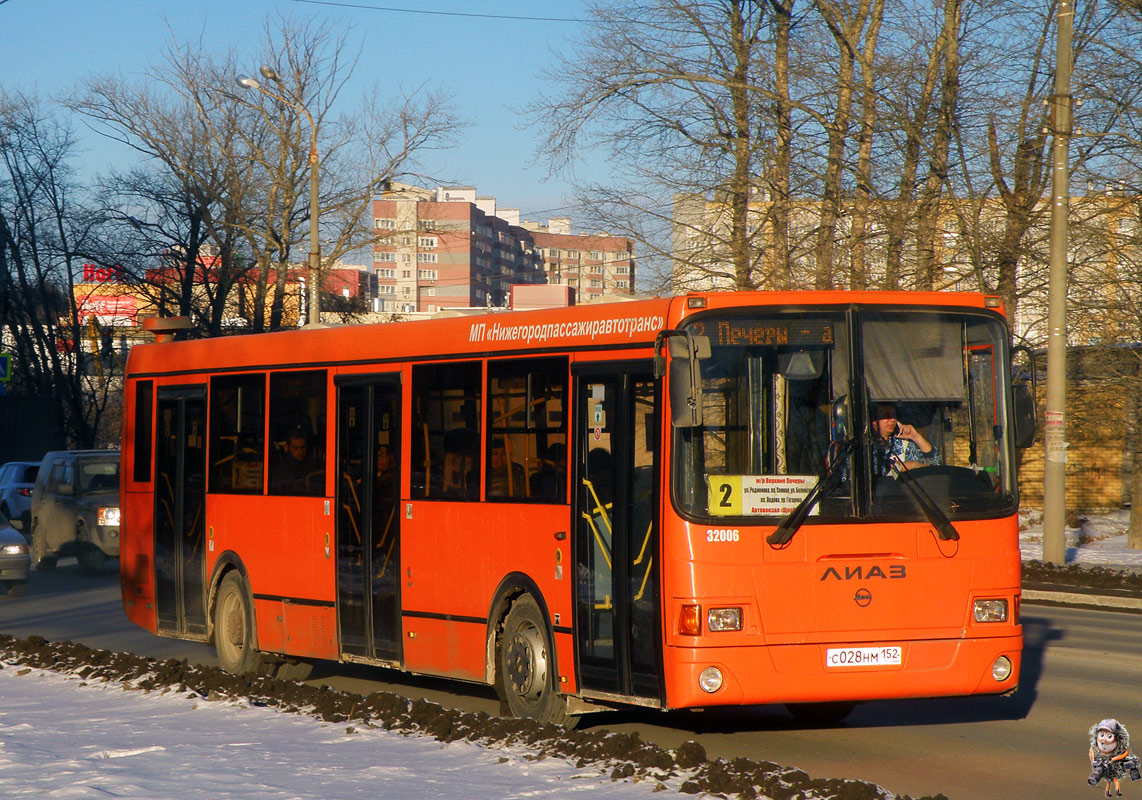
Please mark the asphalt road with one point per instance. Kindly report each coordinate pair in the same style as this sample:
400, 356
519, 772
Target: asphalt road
1079, 667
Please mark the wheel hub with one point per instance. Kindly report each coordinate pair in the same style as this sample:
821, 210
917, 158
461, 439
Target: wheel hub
233, 632
527, 664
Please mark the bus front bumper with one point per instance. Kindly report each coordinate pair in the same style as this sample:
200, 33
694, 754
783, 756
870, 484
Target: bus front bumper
807, 673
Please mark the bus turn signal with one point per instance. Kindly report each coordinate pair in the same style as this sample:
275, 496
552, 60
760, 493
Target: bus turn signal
690, 621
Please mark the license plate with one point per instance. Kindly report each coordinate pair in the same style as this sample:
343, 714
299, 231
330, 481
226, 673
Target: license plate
888, 655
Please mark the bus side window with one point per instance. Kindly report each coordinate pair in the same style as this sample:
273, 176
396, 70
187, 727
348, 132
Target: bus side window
446, 430
237, 433
141, 452
527, 430
297, 433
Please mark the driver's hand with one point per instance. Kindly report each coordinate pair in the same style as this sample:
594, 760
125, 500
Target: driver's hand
907, 432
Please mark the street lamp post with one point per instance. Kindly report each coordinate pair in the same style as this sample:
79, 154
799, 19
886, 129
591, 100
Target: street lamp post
312, 302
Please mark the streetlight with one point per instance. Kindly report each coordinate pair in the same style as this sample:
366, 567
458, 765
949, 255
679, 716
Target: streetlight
246, 82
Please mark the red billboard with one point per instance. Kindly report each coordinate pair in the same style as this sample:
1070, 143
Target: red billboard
109, 309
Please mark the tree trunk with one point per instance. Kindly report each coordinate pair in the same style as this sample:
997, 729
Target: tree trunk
781, 271
858, 268
896, 222
743, 149
929, 211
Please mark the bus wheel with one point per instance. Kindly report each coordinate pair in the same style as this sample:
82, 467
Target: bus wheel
46, 564
820, 713
293, 670
234, 635
526, 674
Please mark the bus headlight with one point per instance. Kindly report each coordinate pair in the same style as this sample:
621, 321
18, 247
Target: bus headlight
724, 619
109, 515
1001, 669
710, 680
990, 610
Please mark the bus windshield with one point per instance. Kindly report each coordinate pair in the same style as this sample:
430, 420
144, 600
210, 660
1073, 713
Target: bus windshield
900, 408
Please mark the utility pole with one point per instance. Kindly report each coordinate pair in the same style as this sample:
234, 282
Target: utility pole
1054, 472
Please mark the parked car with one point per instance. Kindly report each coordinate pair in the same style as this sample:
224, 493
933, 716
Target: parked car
16, 481
14, 559
75, 509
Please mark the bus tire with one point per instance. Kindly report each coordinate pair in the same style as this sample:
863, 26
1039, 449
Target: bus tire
525, 674
820, 713
47, 563
235, 638
290, 670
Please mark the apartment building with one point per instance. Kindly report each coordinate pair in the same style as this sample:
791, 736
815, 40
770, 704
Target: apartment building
1104, 254
447, 249
452, 248
593, 265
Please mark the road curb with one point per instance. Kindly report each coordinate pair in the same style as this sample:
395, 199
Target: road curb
1083, 599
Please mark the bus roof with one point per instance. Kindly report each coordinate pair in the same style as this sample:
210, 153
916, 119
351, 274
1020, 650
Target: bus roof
603, 326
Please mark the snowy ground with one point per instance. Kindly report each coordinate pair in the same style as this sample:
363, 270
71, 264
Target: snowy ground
62, 737
1101, 541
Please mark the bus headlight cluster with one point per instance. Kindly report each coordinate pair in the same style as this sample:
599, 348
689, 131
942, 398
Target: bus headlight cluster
710, 680
724, 619
994, 610
109, 515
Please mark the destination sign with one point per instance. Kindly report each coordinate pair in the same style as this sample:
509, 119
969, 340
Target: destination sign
773, 333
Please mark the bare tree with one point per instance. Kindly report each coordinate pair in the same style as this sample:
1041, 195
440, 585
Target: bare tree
672, 91
45, 233
238, 160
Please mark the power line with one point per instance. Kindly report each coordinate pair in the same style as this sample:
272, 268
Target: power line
432, 13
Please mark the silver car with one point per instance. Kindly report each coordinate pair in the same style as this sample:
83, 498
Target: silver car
14, 559
75, 509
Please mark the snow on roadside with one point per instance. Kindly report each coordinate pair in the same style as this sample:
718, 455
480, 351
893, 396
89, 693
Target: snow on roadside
1100, 540
63, 737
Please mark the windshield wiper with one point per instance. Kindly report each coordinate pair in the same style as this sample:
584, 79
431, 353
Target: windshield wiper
827, 482
938, 519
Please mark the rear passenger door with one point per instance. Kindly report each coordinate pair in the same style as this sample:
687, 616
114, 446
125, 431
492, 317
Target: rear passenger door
179, 515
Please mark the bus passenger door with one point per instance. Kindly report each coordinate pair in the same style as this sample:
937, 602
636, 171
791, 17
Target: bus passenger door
617, 605
180, 509
368, 525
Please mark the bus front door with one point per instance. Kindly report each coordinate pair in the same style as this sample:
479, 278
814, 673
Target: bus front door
617, 620
180, 505
368, 525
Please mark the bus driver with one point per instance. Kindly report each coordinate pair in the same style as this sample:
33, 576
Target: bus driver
898, 447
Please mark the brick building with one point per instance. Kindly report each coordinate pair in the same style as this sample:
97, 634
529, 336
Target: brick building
447, 249
593, 265
451, 248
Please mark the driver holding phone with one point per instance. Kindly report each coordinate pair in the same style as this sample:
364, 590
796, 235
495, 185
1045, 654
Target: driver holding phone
898, 447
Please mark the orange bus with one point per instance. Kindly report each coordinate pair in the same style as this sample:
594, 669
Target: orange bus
805, 498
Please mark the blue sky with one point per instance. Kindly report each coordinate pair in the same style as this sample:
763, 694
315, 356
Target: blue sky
490, 65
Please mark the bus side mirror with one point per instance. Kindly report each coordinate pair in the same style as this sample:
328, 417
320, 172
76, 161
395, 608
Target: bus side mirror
685, 384
1024, 401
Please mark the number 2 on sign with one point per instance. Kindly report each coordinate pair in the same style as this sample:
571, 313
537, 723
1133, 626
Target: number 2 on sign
725, 495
